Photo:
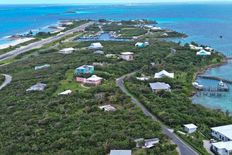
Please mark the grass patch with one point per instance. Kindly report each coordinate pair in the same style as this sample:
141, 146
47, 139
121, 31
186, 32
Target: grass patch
69, 83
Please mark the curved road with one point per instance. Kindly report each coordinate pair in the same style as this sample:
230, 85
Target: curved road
41, 43
183, 148
7, 81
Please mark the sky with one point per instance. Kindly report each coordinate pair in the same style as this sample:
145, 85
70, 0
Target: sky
99, 1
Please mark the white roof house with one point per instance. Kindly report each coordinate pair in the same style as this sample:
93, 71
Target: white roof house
107, 108
222, 148
120, 152
67, 92
193, 47
128, 56
190, 128
96, 46
149, 143
164, 73
94, 78
37, 87
157, 86
223, 133
67, 50
203, 53
42, 67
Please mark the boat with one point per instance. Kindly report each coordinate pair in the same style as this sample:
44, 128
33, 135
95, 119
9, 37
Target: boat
222, 86
197, 86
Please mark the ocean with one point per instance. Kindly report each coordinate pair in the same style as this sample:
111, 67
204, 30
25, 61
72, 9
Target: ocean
203, 23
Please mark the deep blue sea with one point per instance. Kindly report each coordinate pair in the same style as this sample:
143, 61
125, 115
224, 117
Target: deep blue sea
204, 23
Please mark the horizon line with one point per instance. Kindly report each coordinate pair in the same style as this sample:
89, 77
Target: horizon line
121, 3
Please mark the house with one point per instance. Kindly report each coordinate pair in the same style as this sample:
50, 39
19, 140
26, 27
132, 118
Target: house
158, 86
99, 52
67, 50
67, 92
222, 148
94, 80
128, 56
164, 35
149, 143
107, 108
42, 67
85, 69
193, 47
95, 46
203, 53
141, 44
209, 49
164, 73
37, 87
190, 128
223, 133
154, 28
146, 143
120, 152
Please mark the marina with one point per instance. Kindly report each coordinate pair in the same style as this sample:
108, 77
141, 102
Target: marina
102, 37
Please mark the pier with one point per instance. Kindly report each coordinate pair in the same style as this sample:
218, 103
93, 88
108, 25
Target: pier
216, 91
215, 78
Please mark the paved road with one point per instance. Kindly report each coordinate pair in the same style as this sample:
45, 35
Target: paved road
41, 43
7, 81
182, 146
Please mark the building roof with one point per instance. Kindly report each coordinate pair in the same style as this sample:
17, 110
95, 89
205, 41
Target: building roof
98, 44
85, 67
42, 67
120, 152
65, 92
94, 78
224, 130
203, 52
223, 145
127, 53
107, 108
164, 73
159, 86
190, 126
37, 87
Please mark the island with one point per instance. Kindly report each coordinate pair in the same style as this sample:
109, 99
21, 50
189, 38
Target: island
107, 94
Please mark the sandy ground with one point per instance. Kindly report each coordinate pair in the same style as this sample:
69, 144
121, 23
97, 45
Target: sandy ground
15, 42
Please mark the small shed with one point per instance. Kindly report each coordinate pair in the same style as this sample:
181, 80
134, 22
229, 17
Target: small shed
67, 50
190, 128
128, 56
107, 108
66, 92
95, 46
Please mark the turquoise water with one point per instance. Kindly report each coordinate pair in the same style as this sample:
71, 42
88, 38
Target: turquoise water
204, 23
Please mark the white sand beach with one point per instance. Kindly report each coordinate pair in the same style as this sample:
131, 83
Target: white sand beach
16, 42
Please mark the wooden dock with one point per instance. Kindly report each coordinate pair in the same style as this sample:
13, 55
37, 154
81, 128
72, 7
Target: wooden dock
215, 78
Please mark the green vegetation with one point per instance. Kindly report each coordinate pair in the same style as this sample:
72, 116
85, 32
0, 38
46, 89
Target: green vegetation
131, 32
44, 123
2, 78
